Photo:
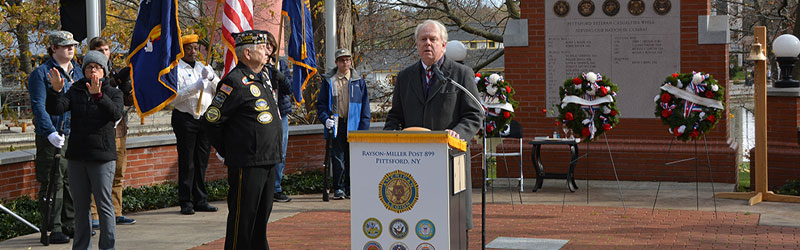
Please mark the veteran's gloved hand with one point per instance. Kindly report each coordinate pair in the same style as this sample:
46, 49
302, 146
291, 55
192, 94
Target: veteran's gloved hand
56, 139
329, 123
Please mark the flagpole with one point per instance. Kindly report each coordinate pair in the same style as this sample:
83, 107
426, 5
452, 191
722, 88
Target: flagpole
280, 38
210, 54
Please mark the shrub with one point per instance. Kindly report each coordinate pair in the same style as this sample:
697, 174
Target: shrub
301, 182
790, 188
26, 208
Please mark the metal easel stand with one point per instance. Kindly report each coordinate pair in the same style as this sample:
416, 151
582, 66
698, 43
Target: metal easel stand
18, 217
613, 166
696, 174
488, 156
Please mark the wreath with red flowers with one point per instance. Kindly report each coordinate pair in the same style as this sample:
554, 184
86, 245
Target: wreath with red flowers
690, 104
497, 98
588, 105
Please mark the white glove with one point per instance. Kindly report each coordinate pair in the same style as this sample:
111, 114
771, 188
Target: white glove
219, 157
56, 139
329, 123
207, 73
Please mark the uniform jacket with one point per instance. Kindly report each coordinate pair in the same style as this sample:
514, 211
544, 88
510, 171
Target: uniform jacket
243, 122
358, 112
280, 85
38, 84
446, 107
92, 137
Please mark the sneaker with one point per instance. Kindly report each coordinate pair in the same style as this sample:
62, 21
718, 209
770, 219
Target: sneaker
347, 194
339, 194
58, 238
281, 197
122, 220
95, 224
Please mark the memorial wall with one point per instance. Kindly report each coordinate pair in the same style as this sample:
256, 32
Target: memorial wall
635, 43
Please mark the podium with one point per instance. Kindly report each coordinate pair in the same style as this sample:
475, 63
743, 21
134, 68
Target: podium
408, 190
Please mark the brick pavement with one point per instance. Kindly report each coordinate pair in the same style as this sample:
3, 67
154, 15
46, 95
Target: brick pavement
585, 227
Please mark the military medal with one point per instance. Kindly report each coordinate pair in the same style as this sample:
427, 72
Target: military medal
586, 7
636, 7
561, 8
662, 7
611, 7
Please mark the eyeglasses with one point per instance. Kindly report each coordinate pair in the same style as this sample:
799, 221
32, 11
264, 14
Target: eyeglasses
94, 67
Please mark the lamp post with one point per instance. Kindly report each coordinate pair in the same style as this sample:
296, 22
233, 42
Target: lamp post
786, 48
456, 50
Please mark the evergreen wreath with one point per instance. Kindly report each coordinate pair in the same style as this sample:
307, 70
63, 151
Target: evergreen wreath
588, 105
690, 104
497, 98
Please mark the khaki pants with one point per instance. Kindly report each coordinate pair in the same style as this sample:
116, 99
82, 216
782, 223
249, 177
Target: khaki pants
119, 173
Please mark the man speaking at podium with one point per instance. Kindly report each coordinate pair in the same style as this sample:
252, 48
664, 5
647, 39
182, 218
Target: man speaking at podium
422, 99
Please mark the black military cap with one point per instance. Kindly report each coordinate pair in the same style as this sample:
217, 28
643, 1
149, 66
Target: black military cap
250, 37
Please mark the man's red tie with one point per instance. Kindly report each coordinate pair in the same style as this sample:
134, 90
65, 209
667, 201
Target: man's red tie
429, 74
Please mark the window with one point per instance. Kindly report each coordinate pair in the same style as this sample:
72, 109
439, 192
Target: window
473, 45
492, 45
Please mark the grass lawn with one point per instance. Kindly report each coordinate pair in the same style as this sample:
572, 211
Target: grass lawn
744, 177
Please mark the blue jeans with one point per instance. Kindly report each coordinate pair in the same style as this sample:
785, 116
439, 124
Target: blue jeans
279, 167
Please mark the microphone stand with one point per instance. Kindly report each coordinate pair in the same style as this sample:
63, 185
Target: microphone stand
439, 74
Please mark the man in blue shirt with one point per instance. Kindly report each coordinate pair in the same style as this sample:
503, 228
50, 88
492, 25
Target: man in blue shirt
51, 131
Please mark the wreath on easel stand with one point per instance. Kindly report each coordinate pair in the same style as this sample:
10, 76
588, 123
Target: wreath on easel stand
690, 104
588, 105
497, 98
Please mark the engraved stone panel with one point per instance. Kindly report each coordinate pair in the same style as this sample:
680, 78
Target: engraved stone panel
636, 52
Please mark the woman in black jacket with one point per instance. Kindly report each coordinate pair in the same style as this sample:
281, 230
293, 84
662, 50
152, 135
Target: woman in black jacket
95, 107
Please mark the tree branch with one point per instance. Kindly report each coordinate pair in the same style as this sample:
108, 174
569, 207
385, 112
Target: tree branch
494, 57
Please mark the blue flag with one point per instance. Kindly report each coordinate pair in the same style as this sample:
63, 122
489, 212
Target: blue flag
301, 45
155, 51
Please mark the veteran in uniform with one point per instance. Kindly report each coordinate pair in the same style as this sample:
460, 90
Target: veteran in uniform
245, 129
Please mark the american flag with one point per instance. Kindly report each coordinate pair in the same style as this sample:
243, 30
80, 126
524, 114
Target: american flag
238, 17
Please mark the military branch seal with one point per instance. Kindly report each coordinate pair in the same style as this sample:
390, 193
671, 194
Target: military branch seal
561, 8
586, 7
398, 228
636, 7
611, 7
662, 7
425, 229
372, 228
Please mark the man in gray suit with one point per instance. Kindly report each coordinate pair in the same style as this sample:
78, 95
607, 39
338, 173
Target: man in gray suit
422, 100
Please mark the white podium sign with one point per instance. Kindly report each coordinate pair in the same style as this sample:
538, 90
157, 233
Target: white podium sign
400, 191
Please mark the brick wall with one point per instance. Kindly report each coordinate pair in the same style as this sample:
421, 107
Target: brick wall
783, 144
639, 146
157, 164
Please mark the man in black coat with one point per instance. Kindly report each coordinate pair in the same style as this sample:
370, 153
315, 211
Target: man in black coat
245, 129
422, 100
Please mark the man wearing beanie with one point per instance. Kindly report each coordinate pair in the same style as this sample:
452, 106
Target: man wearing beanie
95, 107
51, 131
194, 79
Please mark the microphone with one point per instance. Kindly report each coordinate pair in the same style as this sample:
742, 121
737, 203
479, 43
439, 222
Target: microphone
441, 76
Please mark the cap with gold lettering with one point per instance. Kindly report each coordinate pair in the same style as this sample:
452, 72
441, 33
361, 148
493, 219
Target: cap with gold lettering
250, 37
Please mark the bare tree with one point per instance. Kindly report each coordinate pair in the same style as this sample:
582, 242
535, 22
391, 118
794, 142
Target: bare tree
476, 17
